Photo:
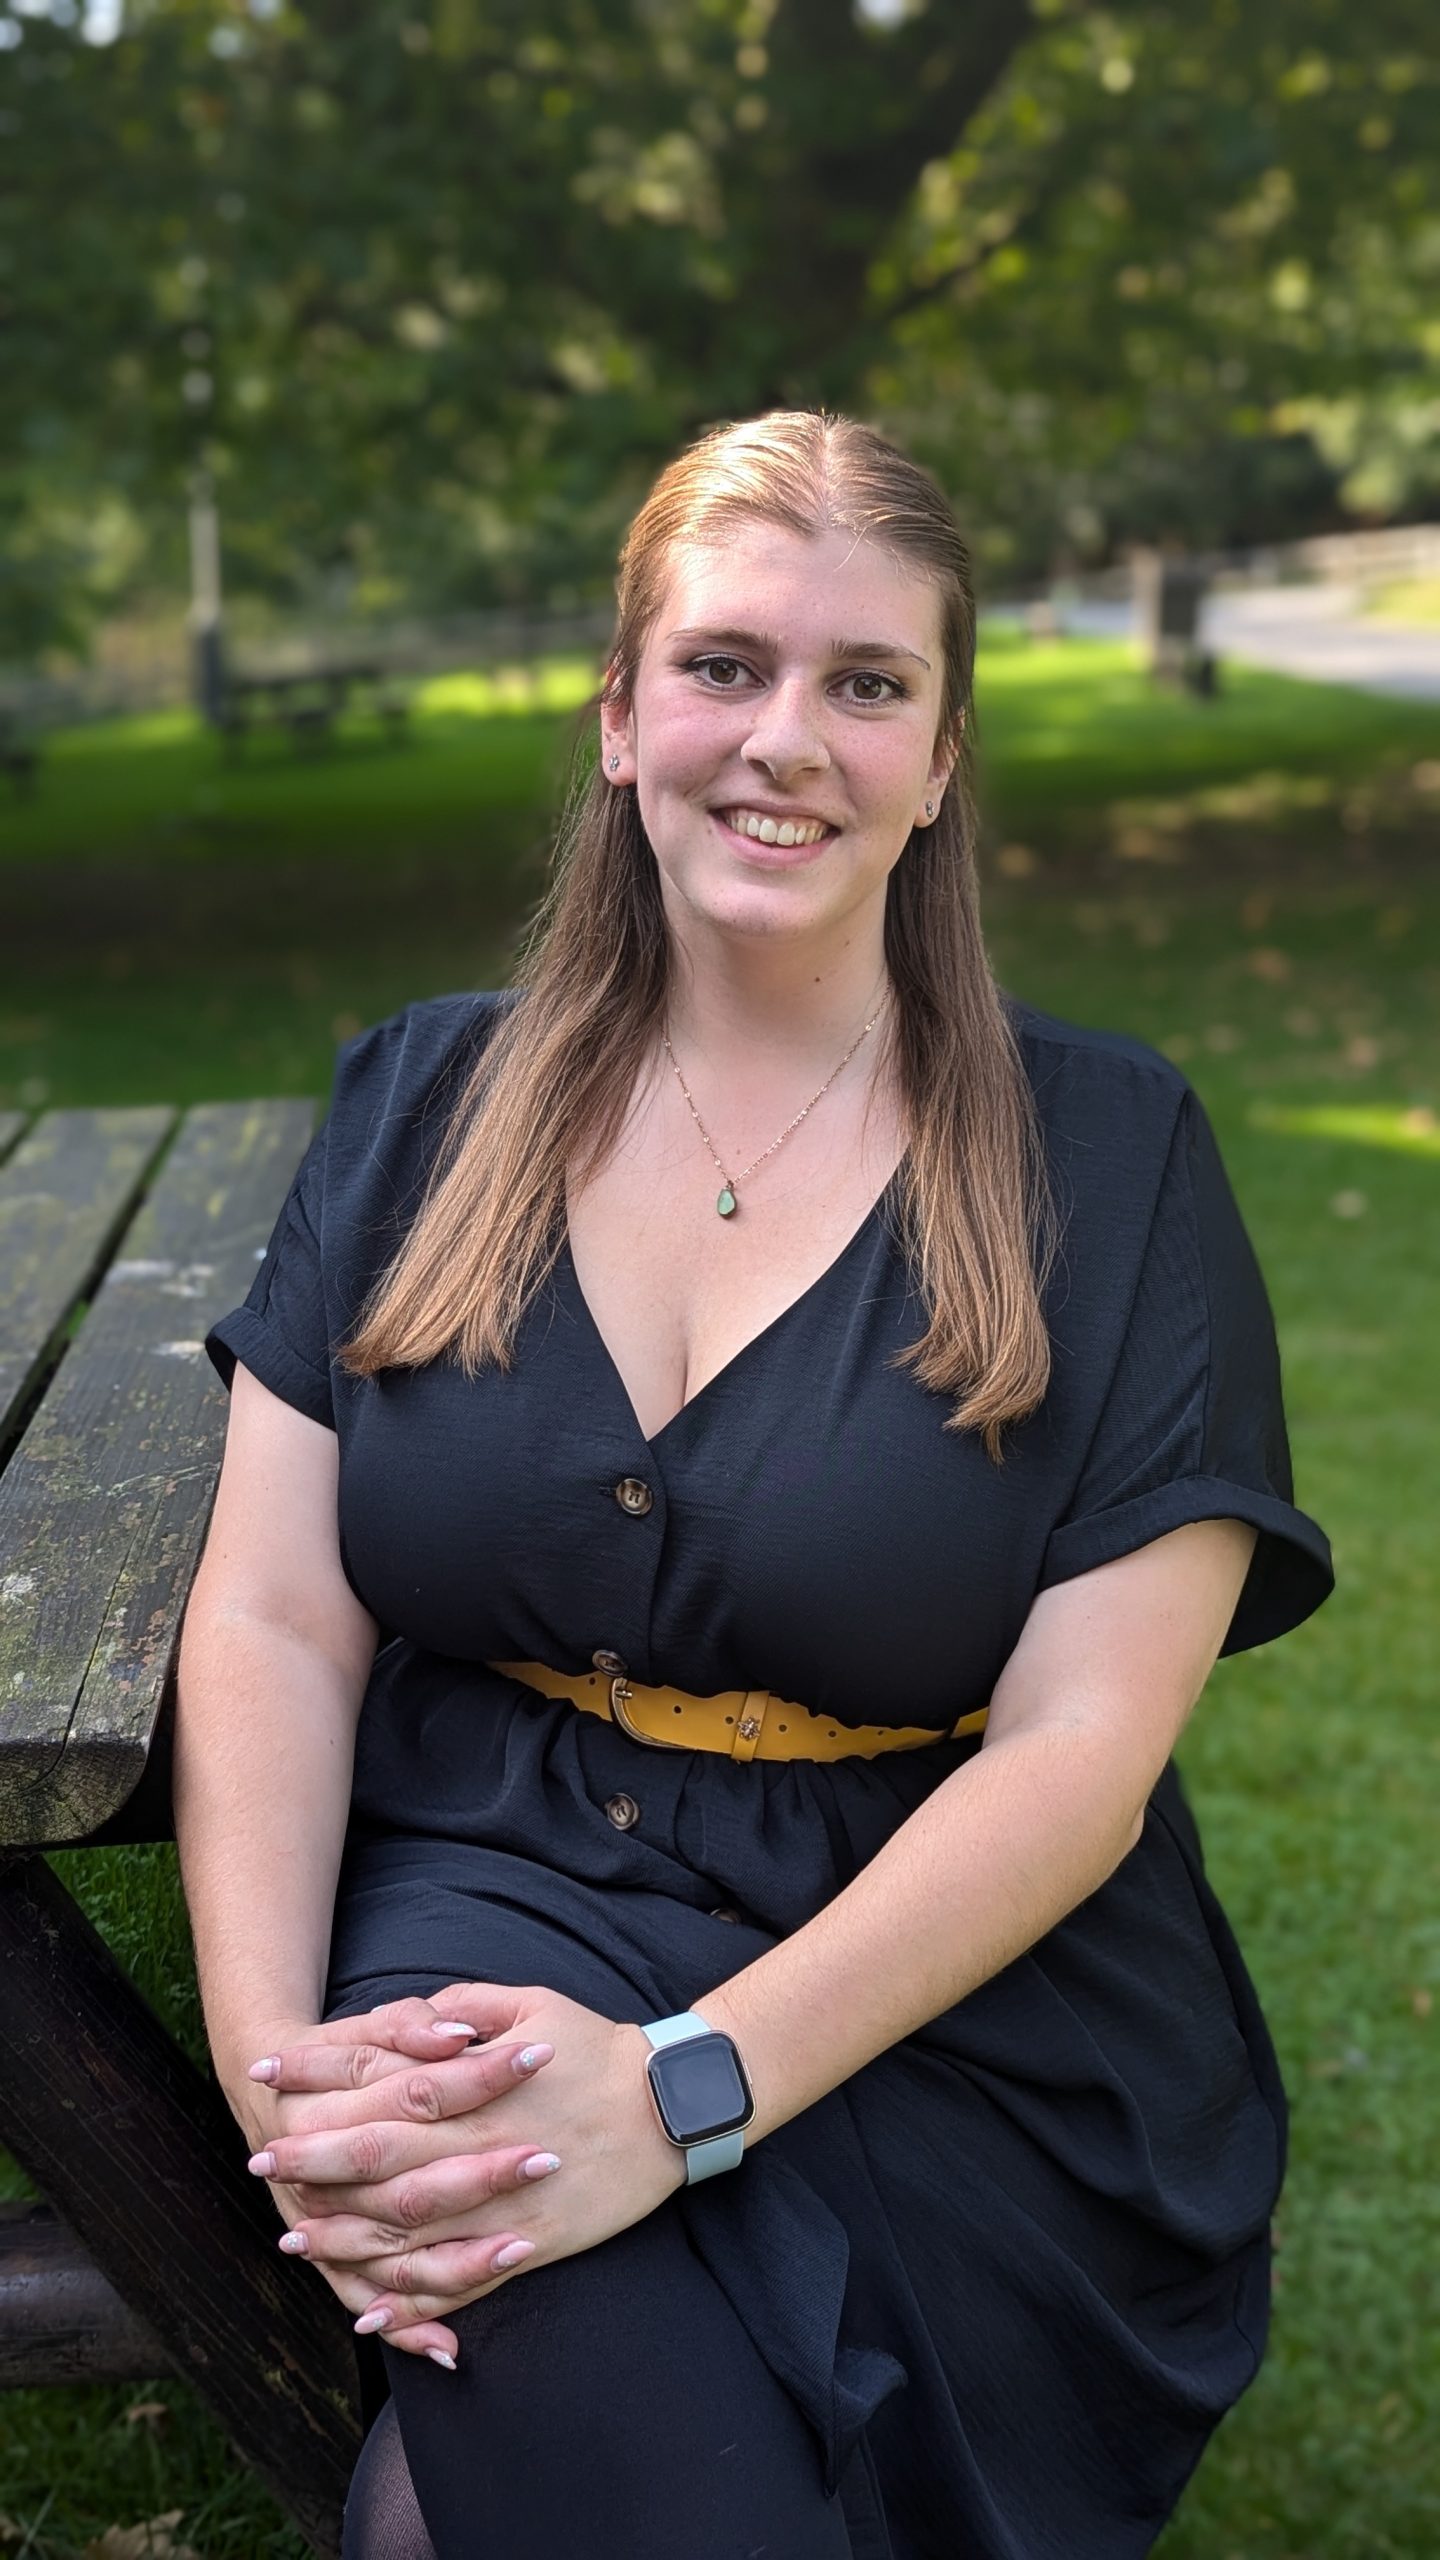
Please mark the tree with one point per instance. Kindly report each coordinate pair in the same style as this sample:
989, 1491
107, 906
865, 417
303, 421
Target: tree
436, 285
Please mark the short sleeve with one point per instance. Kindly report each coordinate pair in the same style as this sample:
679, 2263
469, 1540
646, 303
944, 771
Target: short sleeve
280, 1330
1193, 1424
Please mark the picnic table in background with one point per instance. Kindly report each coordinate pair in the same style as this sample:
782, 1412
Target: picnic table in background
154, 2250
309, 701
19, 754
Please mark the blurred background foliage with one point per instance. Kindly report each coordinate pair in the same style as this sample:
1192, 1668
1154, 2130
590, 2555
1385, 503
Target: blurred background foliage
434, 286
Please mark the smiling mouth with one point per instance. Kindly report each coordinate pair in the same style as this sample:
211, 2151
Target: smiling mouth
762, 828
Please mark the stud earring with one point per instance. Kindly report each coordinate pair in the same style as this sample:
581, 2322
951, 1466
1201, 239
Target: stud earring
614, 764
929, 808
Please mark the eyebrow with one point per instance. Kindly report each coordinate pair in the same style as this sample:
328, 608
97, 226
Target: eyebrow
731, 637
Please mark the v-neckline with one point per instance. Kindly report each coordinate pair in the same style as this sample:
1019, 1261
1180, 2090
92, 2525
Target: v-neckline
832, 1268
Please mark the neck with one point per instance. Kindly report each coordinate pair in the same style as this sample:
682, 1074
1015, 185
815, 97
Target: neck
775, 1005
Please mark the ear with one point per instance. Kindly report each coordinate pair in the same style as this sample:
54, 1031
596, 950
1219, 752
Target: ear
617, 738
942, 765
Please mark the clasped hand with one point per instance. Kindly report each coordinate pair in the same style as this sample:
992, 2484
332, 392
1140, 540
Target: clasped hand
399, 2157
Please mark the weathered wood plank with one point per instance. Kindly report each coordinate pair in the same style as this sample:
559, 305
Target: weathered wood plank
139, 2153
65, 1194
61, 2320
104, 1504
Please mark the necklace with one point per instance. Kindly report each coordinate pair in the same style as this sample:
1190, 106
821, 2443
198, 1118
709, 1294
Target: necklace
727, 1203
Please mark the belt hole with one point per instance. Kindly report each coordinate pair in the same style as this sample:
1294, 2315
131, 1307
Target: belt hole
784, 1728
832, 1733
675, 1711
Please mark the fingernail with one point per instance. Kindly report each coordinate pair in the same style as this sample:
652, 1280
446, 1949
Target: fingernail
533, 2056
262, 2163
539, 2165
371, 2320
514, 2251
437, 2355
296, 2243
268, 2069
447, 2027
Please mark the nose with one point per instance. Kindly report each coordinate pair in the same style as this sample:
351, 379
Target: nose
785, 735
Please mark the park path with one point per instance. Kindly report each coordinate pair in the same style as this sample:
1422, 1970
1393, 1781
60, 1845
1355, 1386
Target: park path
1297, 631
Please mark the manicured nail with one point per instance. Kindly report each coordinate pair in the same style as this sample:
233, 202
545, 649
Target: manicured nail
267, 2069
296, 2243
513, 2252
533, 2056
262, 2164
370, 2320
448, 2027
437, 2355
539, 2165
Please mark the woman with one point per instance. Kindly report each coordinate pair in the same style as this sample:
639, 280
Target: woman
756, 1295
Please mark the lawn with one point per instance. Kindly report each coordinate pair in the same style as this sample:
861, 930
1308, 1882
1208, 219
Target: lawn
1246, 885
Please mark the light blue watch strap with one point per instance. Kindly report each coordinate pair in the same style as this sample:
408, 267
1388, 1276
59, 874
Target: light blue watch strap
723, 2150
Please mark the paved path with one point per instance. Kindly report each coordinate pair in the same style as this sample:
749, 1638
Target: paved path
1298, 631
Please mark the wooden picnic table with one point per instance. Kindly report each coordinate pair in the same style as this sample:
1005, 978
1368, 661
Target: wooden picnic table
308, 701
154, 2249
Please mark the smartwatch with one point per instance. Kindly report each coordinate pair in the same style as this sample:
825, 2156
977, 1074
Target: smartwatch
702, 2097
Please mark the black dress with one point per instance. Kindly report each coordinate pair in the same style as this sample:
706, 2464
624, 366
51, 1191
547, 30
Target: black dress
1022, 2258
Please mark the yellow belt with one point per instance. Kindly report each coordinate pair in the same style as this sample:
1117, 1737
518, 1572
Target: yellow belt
747, 1724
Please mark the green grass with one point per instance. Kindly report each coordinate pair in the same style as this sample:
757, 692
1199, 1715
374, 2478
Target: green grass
1291, 962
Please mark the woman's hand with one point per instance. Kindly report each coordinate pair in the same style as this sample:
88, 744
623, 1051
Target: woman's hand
401, 2178
394, 2034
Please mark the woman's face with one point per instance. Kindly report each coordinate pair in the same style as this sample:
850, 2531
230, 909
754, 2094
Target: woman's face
787, 679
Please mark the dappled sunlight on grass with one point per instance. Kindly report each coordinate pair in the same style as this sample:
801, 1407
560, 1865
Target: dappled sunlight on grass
555, 684
1407, 1129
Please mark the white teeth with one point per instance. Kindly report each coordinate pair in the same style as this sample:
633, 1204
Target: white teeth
784, 831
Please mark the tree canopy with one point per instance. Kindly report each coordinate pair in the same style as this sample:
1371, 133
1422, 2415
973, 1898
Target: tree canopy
434, 286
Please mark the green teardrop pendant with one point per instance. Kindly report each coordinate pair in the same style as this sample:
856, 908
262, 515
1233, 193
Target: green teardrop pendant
726, 1204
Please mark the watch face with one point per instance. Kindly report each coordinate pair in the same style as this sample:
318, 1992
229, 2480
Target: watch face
699, 2088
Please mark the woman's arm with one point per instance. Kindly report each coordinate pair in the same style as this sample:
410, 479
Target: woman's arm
1081, 1724
274, 1656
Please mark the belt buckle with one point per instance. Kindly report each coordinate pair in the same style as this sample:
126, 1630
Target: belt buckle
620, 1688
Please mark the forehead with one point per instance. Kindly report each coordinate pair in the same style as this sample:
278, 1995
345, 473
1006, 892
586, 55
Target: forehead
809, 590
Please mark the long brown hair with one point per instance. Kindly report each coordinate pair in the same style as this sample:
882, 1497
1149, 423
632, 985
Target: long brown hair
974, 1214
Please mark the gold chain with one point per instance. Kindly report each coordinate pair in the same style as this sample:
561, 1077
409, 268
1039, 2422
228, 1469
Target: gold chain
727, 1203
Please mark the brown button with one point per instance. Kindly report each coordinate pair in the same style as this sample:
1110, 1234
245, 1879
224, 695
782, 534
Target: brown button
605, 1660
722, 1911
633, 1494
623, 1811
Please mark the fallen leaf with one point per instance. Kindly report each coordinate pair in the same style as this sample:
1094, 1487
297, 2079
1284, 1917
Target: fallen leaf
1221, 1036
154, 2540
148, 2412
1256, 909
1422, 2001
1266, 962
1301, 1022
1349, 1204
1016, 861
1362, 1051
